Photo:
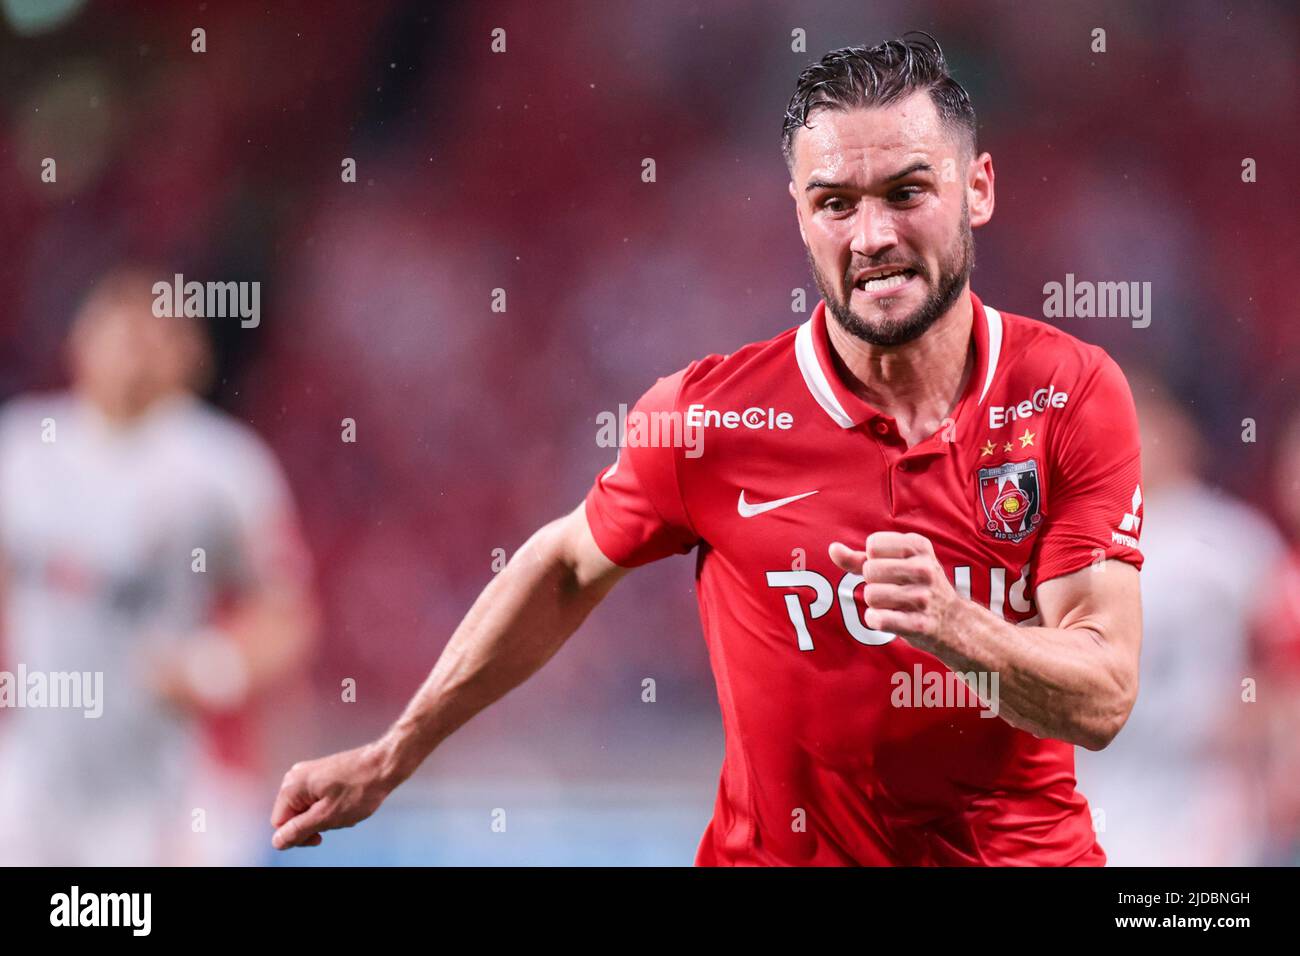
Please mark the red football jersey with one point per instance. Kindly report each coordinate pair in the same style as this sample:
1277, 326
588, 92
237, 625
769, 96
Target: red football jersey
833, 755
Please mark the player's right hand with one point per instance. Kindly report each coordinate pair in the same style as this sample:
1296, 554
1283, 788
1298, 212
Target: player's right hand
336, 791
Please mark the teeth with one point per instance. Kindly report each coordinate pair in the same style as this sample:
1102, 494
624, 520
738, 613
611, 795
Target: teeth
878, 283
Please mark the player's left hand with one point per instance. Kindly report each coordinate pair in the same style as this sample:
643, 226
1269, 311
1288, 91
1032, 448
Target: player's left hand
906, 590
164, 674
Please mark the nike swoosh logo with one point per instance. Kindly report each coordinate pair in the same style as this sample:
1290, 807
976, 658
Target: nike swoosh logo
748, 510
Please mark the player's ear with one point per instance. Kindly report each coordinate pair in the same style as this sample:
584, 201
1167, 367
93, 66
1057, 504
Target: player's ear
979, 190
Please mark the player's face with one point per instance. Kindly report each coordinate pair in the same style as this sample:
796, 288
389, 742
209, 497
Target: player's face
886, 199
124, 358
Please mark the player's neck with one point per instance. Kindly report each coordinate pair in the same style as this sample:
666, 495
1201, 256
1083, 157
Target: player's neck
121, 412
918, 383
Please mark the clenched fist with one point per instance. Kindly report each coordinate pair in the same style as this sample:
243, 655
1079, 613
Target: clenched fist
906, 590
336, 791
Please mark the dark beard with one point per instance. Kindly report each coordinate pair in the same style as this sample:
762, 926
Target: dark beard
954, 271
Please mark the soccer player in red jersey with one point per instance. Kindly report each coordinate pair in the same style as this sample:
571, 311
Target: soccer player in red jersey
909, 495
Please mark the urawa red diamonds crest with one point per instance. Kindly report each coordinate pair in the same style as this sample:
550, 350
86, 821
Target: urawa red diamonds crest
1010, 498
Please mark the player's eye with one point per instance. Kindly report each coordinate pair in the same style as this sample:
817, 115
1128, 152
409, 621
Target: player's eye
834, 204
904, 194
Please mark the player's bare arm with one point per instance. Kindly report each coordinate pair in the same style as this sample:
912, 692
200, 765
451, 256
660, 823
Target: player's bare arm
1075, 678
517, 624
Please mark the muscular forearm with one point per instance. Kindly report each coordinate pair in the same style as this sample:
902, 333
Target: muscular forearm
1061, 682
1075, 680
514, 627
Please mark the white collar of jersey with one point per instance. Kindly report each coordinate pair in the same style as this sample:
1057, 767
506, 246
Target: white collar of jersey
817, 376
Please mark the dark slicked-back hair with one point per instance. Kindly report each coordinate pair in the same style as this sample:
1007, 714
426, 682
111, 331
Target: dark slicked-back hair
858, 76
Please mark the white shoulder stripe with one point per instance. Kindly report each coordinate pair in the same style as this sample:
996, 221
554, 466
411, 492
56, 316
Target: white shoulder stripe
805, 354
995, 347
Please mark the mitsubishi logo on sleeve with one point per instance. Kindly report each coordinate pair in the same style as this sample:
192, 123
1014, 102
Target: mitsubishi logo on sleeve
1131, 523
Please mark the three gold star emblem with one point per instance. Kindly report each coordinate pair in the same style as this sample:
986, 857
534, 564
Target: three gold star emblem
988, 448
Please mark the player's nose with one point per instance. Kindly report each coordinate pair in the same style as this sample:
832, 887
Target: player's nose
874, 233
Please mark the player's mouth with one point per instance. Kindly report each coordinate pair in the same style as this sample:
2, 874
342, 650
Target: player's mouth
882, 282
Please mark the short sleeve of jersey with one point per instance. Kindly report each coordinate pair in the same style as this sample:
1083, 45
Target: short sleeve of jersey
635, 506
1094, 507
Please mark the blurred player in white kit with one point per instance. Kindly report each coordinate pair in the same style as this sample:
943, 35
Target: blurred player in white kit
107, 493
1177, 786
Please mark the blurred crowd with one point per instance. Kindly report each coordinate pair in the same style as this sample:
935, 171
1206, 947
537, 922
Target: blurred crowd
522, 170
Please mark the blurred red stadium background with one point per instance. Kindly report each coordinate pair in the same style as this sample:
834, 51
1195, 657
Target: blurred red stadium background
521, 171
